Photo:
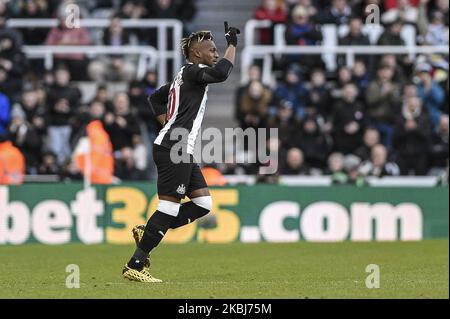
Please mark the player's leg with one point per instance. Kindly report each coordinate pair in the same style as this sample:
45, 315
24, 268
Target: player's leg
172, 179
153, 232
200, 203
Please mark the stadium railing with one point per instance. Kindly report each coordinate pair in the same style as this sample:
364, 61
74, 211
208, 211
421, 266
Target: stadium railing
328, 49
148, 56
388, 181
162, 53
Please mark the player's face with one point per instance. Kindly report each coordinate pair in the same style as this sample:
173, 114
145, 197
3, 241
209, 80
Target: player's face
209, 54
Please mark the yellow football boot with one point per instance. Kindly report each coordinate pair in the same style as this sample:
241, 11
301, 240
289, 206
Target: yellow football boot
136, 275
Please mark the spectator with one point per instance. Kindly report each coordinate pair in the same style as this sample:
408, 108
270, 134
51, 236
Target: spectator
48, 164
232, 167
434, 31
310, 6
114, 67
270, 10
338, 13
129, 10
254, 74
253, 106
26, 138
348, 120
96, 110
150, 82
439, 146
301, 31
163, 9
354, 37
5, 116
318, 96
63, 35
121, 125
12, 60
70, 172
344, 77
34, 9
125, 166
370, 139
442, 6
186, 11
159, 9
352, 169
292, 90
132, 9
138, 100
412, 137
6, 87
336, 168
101, 95
400, 75
391, 35
285, 122
313, 142
383, 97
392, 4
12, 162
35, 110
360, 77
402, 10
13, 35
430, 92
293, 163
63, 101
378, 164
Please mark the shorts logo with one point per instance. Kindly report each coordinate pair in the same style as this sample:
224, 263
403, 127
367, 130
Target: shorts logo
181, 189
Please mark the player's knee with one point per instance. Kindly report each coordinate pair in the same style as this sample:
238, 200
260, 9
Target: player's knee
204, 202
169, 208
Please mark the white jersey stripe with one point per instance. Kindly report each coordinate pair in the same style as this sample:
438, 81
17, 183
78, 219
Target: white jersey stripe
197, 123
166, 127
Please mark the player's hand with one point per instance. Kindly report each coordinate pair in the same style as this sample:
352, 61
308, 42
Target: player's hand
231, 34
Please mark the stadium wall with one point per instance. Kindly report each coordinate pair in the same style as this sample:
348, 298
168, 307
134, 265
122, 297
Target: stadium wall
63, 213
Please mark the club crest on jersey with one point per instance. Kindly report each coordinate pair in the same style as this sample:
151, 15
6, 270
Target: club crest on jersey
181, 189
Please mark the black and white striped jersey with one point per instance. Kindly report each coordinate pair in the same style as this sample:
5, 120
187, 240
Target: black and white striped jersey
185, 99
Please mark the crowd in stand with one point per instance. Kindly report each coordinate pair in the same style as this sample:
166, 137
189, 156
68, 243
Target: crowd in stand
44, 114
385, 115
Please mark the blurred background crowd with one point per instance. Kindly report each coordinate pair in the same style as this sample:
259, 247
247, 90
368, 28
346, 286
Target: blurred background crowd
386, 115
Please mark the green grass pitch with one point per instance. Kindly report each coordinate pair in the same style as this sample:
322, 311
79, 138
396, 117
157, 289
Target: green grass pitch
265, 270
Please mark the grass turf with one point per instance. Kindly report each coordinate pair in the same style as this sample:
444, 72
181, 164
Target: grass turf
265, 270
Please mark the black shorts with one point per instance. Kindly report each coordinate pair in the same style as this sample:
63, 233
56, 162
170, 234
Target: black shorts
176, 179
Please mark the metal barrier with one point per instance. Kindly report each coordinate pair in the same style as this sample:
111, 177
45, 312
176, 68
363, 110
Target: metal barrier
162, 53
328, 49
388, 181
46, 52
265, 52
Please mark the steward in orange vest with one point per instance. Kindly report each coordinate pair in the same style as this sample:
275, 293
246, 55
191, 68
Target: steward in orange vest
101, 153
12, 163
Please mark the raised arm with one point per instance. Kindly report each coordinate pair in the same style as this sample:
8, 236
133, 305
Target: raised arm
219, 72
